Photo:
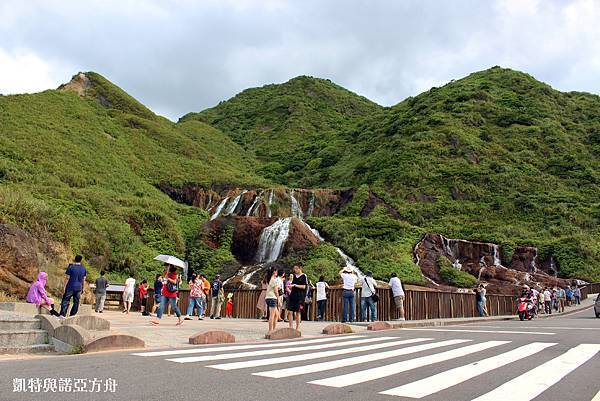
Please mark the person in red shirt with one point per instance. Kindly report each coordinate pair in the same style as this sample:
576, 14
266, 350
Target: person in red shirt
144, 297
169, 292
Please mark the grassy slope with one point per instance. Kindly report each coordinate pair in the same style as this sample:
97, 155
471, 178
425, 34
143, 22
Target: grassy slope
496, 156
84, 174
289, 125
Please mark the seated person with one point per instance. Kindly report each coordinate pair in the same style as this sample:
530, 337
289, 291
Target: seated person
37, 294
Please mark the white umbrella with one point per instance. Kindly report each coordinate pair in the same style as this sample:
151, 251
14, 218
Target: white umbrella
171, 260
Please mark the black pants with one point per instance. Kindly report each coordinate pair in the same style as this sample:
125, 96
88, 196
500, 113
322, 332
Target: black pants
64, 305
321, 308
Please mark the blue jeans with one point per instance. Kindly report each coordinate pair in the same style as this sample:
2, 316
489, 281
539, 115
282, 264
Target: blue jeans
480, 308
321, 308
367, 302
163, 305
195, 302
66, 299
349, 306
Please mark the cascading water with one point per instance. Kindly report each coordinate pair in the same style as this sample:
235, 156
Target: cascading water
553, 266
296, 210
479, 274
533, 263
256, 200
219, 208
269, 203
272, 239
350, 262
233, 205
496, 255
311, 204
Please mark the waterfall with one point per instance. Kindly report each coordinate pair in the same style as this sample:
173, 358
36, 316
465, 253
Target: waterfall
258, 198
479, 274
269, 203
233, 205
527, 277
208, 205
219, 208
296, 210
311, 204
457, 265
553, 266
496, 255
350, 263
272, 239
533, 264
314, 231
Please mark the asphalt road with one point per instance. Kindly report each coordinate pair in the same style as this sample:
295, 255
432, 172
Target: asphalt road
545, 359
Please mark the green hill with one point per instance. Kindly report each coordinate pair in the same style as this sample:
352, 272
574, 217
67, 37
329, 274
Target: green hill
80, 165
294, 129
496, 156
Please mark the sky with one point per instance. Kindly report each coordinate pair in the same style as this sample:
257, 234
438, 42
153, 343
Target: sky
177, 56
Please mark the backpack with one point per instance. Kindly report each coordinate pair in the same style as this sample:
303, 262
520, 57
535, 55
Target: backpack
308, 296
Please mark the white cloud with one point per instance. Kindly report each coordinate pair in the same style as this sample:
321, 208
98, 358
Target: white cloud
182, 55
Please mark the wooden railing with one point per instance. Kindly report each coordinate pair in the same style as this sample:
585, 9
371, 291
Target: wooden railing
418, 305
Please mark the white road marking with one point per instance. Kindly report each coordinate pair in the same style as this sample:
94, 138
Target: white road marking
340, 363
597, 397
315, 355
403, 366
441, 381
534, 382
203, 350
533, 327
486, 331
277, 350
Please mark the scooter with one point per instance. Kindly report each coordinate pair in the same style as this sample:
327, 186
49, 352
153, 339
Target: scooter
526, 309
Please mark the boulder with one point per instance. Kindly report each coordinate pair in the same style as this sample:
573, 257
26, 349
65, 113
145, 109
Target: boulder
337, 328
88, 322
212, 337
112, 342
376, 326
283, 333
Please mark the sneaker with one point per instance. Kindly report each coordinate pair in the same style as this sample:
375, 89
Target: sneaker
218, 317
200, 318
187, 318
401, 319
212, 317
99, 311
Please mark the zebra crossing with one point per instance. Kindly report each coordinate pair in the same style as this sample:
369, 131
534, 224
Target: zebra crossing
324, 356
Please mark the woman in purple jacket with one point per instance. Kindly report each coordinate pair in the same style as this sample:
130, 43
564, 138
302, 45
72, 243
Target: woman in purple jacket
37, 294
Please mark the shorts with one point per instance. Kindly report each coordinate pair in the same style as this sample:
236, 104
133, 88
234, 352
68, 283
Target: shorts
398, 300
271, 302
127, 296
293, 305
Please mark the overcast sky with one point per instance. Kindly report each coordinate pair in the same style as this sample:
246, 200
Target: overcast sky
180, 56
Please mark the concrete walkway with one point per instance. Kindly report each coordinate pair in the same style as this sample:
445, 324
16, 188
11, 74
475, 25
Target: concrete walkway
167, 335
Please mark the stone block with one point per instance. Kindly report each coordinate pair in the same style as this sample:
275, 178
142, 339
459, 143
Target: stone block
376, 326
212, 337
283, 333
71, 334
112, 342
48, 323
88, 322
337, 328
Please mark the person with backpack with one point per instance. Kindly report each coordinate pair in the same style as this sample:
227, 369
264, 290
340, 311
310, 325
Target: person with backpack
217, 297
348, 302
368, 298
297, 297
169, 296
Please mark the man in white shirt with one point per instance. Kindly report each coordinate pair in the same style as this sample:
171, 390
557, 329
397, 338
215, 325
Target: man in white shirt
369, 285
349, 305
128, 293
398, 294
548, 301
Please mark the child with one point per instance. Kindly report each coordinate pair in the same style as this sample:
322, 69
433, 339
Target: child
229, 306
37, 294
144, 297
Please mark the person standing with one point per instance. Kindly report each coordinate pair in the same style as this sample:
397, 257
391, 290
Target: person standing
569, 295
322, 288
74, 286
280, 302
368, 298
561, 295
158, 284
217, 296
348, 302
143, 290
297, 296
547, 301
478, 302
271, 299
206, 290
101, 286
128, 291
577, 295
169, 295
195, 300
398, 294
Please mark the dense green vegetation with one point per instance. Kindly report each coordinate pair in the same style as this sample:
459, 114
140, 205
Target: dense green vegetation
496, 156
83, 172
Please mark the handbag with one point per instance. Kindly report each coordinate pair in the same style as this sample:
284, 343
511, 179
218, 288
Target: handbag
374, 296
171, 287
308, 296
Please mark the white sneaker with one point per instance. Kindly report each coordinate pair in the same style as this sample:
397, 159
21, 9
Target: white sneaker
401, 318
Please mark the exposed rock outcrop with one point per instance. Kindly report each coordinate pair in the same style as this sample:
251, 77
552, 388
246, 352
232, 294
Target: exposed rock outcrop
483, 260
